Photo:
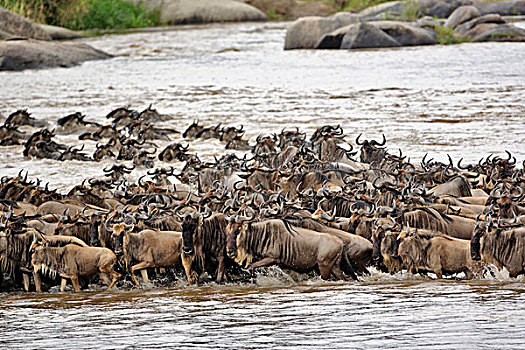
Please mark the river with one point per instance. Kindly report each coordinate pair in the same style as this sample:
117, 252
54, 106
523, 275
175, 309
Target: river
465, 100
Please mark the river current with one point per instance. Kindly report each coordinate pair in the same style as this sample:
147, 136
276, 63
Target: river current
465, 100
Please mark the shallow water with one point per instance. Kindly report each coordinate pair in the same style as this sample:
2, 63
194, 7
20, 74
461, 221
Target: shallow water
387, 314
465, 100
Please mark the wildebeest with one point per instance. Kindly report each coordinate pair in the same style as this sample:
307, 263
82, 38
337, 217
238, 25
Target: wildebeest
72, 262
204, 245
440, 254
273, 242
502, 247
146, 249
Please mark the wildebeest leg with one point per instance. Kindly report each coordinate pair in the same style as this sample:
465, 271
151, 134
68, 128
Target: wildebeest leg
140, 266
74, 282
144, 274
261, 263
187, 261
26, 280
38, 282
220, 270
63, 284
105, 278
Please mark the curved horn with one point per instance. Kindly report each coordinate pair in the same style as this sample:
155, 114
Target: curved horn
357, 140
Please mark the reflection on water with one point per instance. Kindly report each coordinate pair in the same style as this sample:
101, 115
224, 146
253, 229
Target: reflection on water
466, 100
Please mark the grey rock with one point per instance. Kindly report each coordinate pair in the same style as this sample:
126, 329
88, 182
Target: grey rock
477, 30
23, 54
333, 40
19, 26
461, 15
503, 32
463, 28
503, 8
406, 34
204, 11
365, 35
441, 10
391, 8
59, 33
306, 32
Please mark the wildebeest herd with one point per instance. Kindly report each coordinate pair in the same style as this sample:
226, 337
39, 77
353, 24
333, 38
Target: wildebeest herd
308, 204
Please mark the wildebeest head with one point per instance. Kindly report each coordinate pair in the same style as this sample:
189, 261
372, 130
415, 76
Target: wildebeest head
94, 223
190, 222
380, 227
475, 242
505, 200
192, 130
119, 232
232, 232
22, 117
369, 150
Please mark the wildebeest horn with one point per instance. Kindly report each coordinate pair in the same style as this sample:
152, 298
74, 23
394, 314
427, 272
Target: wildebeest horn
110, 169
462, 167
207, 212
247, 218
517, 197
357, 140
496, 193
109, 228
327, 217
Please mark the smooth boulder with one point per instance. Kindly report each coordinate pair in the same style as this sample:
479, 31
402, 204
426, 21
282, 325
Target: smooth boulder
441, 10
406, 34
59, 33
19, 26
464, 28
23, 54
503, 32
384, 10
306, 32
503, 8
203, 11
366, 36
461, 15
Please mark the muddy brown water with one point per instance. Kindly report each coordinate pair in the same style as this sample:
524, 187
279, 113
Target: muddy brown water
465, 100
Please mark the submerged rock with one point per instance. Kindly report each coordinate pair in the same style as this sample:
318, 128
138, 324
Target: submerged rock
23, 54
306, 32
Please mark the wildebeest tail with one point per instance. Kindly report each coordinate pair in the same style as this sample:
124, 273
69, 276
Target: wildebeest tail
347, 267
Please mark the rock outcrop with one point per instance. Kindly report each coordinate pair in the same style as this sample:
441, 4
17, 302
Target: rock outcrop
306, 32
18, 26
24, 44
203, 11
23, 54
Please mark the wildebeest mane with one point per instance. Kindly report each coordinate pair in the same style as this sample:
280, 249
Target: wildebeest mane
421, 217
507, 247
50, 260
265, 235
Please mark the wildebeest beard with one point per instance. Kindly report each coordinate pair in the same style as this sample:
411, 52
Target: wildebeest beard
48, 260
